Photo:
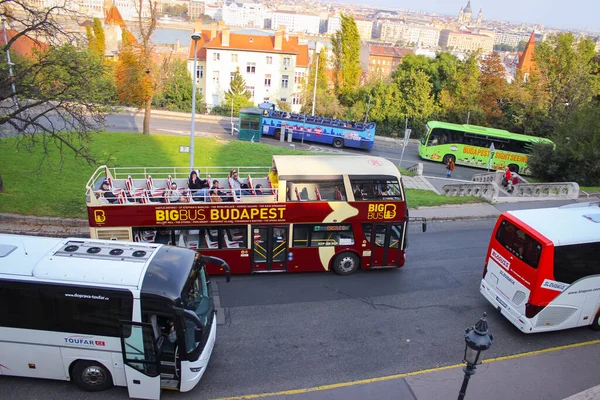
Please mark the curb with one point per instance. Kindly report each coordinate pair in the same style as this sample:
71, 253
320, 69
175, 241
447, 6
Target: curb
30, 219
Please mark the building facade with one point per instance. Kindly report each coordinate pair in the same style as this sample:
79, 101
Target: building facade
295, 22
395, 32
384, 60
365, 28
273, 66
196, 9
510, 38
465, 15
464, 41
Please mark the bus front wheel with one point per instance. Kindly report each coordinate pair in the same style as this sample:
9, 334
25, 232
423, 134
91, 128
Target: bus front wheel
447, 158
91, 376
338, 143
596, 322
346, 264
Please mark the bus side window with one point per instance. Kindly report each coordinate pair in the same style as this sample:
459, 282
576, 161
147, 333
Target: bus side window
367, 228
576, 261
300, 236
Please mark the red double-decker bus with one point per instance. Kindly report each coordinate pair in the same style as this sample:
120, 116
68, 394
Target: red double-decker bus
319, 213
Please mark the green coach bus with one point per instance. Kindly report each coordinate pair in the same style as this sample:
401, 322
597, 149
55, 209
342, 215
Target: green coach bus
471, 145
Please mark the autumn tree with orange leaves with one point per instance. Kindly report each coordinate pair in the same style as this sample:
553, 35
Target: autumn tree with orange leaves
134, 75
493, 85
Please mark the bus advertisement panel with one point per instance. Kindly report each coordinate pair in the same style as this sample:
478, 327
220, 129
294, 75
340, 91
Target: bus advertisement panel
309, 128
542, 268
472, 146
340, 213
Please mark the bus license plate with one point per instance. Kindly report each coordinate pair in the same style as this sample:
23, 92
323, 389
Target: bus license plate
501, 302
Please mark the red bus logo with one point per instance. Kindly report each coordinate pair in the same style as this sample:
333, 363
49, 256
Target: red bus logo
375, 163
318, 131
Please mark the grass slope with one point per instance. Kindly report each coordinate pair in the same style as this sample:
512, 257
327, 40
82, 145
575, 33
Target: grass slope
45, 189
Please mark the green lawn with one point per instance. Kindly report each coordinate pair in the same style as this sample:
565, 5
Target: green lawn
47, 190
590, 189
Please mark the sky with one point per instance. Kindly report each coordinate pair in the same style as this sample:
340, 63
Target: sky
565, 14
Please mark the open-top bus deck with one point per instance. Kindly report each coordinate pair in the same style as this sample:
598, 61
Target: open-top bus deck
318, 213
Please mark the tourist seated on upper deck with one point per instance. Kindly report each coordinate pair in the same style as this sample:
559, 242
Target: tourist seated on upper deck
245, 189
274, 177
235, 183
106, 194
217, 190
174, 195
198, 187
358, 193
258, 189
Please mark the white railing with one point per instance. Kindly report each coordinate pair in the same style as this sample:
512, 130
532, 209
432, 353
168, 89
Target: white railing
488, 191
416, 168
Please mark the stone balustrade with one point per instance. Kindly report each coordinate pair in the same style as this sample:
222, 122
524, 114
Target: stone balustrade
417, 169
488, 191
564, 190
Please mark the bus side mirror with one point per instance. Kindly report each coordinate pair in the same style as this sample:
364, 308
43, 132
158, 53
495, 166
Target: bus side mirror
424, 226
198, 333
221, 263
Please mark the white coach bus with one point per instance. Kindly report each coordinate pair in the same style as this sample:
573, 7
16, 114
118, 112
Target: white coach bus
103, 313
542, 268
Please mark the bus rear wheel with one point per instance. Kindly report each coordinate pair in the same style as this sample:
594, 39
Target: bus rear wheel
277, 134
447, 158
596, 322
91, 376
338, 143
346, 264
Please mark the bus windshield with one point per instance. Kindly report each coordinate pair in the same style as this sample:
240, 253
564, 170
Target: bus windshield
519, 243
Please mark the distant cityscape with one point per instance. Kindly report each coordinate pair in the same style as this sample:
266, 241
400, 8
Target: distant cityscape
273, 43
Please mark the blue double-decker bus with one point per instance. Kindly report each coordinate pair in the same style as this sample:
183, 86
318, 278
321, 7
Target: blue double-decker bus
337, 133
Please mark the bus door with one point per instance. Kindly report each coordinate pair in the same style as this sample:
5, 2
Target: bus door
140, 360
269, 248
385, 240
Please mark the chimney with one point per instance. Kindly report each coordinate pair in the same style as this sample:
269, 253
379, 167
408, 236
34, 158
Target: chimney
225, 37
221, 25
213, 30
279, 39
198, 25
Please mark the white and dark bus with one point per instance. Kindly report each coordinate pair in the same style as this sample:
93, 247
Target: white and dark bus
104, 313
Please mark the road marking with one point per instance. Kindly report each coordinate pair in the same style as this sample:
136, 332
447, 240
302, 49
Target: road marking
174, 131
398, 376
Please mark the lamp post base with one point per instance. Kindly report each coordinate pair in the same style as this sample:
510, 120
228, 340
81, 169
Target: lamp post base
469, 371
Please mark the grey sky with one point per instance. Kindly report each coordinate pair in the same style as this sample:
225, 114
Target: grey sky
573, 14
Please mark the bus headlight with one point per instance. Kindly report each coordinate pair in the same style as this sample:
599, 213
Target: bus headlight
195, 369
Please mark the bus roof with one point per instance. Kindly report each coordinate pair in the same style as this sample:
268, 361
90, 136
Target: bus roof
571, 224
75, 261
481, 130
309, 166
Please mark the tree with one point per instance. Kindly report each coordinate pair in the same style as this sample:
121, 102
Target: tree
130, 75
323, 92
175, 93
568, 68
346, 56
146, 26
237, 94
461, 99
60, 91
577, 154
493, 88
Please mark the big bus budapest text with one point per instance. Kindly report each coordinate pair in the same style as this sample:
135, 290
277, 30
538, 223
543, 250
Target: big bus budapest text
477, 146
304, 213
542, 269
103, 313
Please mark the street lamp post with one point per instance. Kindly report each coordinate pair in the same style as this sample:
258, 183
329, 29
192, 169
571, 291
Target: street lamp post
195, 38
477, 340
315, 86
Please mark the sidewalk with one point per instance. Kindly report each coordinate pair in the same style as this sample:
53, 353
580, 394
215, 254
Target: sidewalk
553, 374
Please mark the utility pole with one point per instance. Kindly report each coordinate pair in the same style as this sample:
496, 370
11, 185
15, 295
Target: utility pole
195, 38
315, 86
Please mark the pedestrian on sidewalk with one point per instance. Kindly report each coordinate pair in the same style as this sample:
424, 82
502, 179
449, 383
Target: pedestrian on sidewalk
449, 167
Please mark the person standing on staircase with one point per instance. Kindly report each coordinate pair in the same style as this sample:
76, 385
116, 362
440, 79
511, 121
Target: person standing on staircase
449, 167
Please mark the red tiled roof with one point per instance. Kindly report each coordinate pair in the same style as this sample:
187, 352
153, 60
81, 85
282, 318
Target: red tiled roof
244, 42
24, 45
113, 17
526, 63
302, 56
388, 51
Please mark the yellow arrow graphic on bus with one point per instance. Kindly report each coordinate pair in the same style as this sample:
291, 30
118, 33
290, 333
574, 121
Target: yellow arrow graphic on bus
341, 211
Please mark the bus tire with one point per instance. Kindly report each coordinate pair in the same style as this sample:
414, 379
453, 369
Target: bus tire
338, 143
91, 376
346, 263
447, 158
277, 134
596, 322
513, 168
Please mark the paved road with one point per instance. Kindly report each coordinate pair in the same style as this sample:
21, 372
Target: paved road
180, 126
296, 331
